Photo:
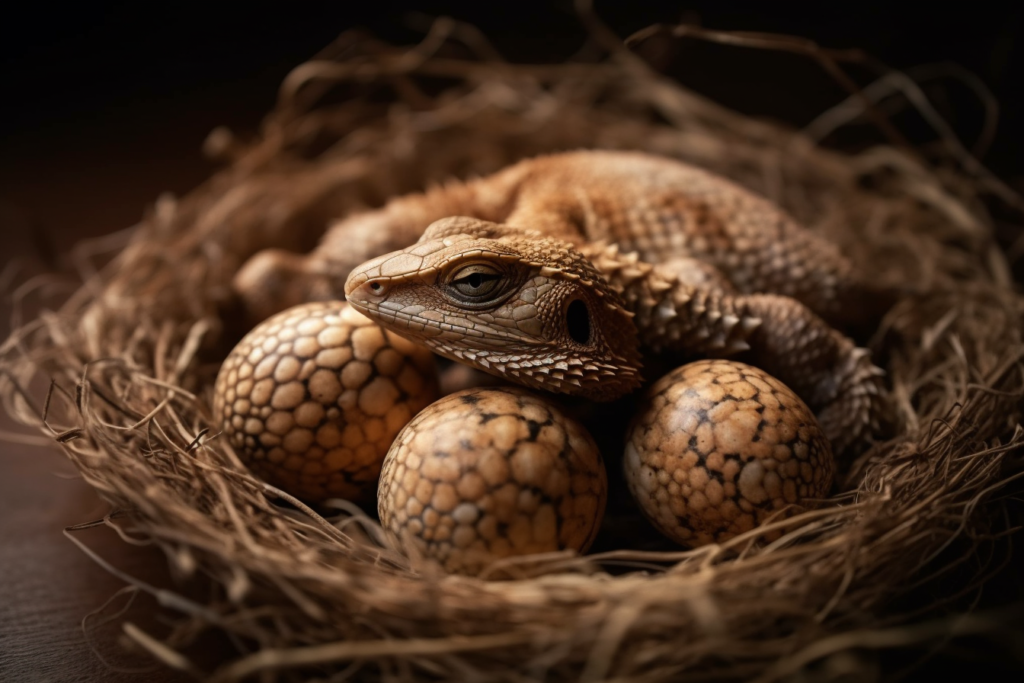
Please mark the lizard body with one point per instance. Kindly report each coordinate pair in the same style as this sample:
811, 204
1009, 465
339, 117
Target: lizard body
560, 272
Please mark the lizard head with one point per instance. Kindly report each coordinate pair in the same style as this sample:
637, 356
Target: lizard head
516, 304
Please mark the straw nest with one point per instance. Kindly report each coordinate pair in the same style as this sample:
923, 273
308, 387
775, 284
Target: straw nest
321, 594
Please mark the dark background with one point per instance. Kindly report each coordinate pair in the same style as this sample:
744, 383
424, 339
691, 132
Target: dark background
95, 91
104, 105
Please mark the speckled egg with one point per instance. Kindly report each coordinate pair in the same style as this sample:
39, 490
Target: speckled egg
719, 446
312, 398
488, 473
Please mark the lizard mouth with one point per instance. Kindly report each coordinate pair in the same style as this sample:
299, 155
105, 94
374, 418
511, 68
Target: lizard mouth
410, 322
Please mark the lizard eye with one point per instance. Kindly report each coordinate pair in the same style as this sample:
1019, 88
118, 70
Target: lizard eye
475, 282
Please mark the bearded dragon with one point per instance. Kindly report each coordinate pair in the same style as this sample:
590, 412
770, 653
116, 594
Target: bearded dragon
561, 272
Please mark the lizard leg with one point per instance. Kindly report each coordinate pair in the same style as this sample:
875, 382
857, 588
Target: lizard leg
276, 279
833, 375
777, 333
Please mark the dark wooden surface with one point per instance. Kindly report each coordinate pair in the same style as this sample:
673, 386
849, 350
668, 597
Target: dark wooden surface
103, 113
47, 584
64, 178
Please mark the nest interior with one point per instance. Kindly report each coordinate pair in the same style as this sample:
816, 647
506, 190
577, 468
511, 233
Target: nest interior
300, 593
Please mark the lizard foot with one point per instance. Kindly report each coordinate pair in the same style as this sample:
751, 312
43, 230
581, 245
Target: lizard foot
274, 279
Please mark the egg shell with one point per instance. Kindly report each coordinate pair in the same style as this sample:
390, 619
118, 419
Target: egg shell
312, 398
487, 473
717, 447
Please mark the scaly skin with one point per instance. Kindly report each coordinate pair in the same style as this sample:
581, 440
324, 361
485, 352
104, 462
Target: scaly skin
591, 259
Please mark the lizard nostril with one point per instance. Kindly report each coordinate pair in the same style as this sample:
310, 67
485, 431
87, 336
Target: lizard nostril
367, 291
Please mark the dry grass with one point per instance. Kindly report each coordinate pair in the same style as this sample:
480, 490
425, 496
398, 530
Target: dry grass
133, 354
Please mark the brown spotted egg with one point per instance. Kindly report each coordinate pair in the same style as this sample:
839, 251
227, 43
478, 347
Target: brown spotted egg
717, 447
487, 473
312, 398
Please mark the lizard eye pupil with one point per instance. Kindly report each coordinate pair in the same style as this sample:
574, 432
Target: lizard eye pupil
475, 282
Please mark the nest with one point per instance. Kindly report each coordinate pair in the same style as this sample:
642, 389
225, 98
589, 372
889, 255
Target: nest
132, 356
